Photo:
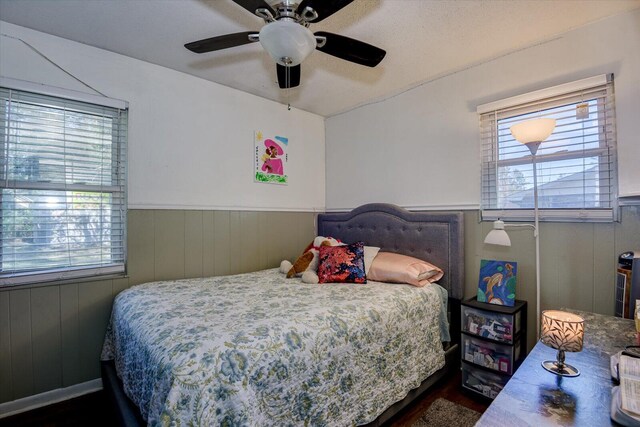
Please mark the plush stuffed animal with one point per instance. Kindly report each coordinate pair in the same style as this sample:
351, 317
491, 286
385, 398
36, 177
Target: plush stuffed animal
285, 266
307, 263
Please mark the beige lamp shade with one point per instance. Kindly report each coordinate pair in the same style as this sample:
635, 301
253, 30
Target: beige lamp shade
561, 330
535, 130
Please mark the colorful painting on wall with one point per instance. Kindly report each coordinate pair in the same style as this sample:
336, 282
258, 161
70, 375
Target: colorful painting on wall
270, 159
497, 283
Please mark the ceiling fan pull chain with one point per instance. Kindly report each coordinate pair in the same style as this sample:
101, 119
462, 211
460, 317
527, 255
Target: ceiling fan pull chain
288, 74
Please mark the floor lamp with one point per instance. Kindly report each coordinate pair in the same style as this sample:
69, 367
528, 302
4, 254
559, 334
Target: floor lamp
530, 133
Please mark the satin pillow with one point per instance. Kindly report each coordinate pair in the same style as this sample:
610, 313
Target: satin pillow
342, 264
396, 268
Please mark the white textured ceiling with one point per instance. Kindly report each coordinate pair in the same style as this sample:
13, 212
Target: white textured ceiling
423, 39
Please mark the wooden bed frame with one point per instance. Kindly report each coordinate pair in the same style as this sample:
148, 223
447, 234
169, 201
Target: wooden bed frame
437, 237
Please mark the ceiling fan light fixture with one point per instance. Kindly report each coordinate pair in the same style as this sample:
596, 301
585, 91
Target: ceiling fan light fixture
287, 42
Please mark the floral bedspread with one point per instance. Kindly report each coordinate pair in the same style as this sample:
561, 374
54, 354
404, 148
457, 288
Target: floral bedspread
260, 349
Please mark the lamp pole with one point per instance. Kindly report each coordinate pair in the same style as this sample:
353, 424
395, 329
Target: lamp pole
533, 147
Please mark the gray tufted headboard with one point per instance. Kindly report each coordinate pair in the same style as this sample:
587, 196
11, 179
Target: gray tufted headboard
436, 237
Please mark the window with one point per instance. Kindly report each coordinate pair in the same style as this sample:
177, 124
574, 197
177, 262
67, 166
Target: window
62, 183
576, 165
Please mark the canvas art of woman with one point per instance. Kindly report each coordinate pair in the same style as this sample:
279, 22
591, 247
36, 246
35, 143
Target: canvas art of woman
497, 282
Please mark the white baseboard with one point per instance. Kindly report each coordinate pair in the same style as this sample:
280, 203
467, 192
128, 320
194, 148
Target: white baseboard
48, 397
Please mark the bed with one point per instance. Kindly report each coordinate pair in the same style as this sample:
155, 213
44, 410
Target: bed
256, 348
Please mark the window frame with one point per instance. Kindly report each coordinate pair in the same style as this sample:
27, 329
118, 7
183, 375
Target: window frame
554, 97
84, 104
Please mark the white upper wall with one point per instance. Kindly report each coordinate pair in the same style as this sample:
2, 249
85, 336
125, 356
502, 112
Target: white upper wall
190, 140
421, 148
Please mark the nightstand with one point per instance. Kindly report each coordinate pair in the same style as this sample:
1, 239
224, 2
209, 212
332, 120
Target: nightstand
493, 343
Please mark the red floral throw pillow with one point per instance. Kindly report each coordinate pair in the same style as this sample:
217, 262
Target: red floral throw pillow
342, 264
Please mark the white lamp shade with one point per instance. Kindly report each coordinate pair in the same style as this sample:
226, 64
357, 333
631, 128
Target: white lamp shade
288, 43
561, 330
535, 130
498, 236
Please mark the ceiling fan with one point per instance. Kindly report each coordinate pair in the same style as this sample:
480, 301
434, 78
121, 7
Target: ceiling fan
288, 40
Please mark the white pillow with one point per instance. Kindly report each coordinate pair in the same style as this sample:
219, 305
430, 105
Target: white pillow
370, 253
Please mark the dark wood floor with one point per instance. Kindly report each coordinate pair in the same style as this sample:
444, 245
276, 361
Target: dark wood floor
447, 388
94, 410
89, 410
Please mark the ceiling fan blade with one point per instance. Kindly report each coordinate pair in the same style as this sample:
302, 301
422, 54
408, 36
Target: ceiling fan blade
253, 5
351, 50
288, 76
324, 8
220, 42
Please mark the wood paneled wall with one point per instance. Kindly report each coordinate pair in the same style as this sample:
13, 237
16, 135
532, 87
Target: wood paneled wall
51, 336
578, 262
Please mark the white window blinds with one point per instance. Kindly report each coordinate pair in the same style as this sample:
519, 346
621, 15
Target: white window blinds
576, 165
63, 188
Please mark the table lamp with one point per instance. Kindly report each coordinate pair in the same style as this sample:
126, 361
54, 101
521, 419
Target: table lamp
564, 332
